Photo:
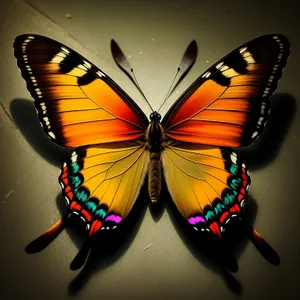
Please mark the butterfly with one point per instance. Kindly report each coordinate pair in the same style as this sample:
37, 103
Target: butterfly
117, 146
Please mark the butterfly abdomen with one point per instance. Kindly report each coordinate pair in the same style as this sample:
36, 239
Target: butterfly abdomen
154, 176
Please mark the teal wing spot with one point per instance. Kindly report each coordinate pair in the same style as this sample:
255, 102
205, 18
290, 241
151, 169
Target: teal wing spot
82, 195
101, 213
235, 183
91, 206
234, 169
209, 215
229, 197
76, 182
219, 208
75, 167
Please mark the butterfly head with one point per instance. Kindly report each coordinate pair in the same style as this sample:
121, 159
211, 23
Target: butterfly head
155, 116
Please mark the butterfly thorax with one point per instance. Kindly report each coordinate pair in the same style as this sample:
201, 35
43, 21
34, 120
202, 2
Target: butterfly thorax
154, 136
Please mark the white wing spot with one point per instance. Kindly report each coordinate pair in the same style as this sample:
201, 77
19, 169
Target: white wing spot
82, 67
59, 57
100, 74
74, 157
224, 68
88, 65
67, 199
243, 49
255, 133
65, 50
233, 158
218, 66
50, 133
249, 58
46, 119
206, 75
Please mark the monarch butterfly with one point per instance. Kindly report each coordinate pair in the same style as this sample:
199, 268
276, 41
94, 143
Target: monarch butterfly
78, 105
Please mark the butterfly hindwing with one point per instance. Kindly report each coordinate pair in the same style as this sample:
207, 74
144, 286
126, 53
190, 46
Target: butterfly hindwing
229, 104
77, 103
97, 182
100, 184
208, 185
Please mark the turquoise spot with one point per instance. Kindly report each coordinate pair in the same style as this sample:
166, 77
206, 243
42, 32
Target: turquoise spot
235, 183
229, 197
209, 215
91, 206
219, 208
75, 167
76, 181
101, 213
233, 169
82, 196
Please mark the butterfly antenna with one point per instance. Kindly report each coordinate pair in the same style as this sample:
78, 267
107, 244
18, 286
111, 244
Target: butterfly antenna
187, 61
124, 65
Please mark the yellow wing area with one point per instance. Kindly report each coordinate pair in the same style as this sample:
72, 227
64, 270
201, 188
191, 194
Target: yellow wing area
102, 182
208, 185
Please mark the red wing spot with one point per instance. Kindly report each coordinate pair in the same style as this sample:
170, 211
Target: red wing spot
67, 189
244, 176
86, 214
243, 191
240, 197
232, 210
235, 209
244, 170
215, 228
70, 195
245, 183
77, 207
73, 204
65, 181
64, 175
95, 226
224, 216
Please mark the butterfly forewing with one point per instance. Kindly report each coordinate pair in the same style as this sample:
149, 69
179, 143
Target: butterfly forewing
77, 103
228, 105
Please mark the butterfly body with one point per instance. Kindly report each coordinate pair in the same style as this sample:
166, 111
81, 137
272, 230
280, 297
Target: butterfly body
80, 106
155, 136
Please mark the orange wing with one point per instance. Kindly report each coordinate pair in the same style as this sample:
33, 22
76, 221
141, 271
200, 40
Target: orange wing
229, 104
77, 103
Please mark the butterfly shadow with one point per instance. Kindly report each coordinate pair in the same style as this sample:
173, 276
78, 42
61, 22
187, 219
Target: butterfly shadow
266, 148
110, 245
25, 117
205, 249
